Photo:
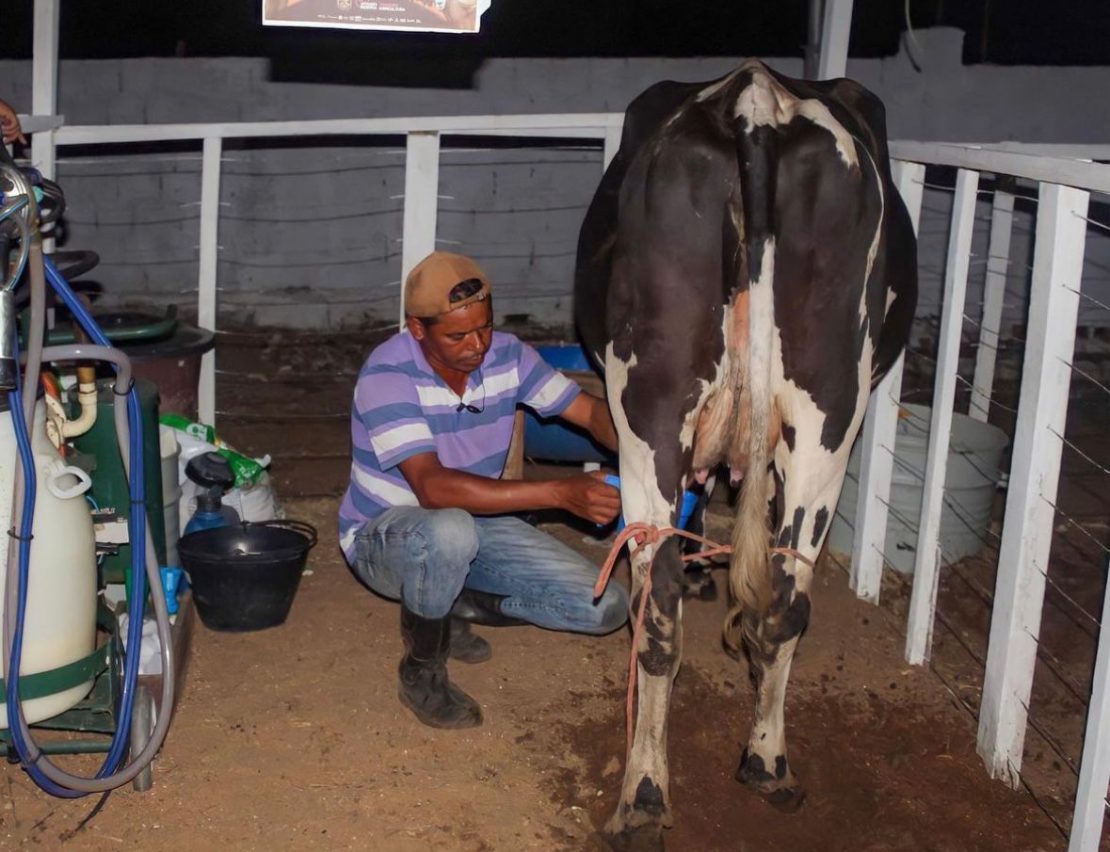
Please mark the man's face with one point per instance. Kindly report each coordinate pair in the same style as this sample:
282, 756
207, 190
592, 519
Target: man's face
460, 339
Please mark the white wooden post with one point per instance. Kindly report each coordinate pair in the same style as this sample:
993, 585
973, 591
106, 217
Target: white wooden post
877, 442
1034, 474
206, 271
612, 145
44, 82
418, 239
926, 565
813, 39
44, 90
837, 27
1094, 768
994, 294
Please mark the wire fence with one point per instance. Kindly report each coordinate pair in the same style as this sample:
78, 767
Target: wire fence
1074, 577
328, 218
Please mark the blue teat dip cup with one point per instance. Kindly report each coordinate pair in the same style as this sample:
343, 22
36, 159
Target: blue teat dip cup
689, 501
171, 584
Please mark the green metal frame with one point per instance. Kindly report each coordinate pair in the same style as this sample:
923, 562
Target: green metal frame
95, 714
52, 681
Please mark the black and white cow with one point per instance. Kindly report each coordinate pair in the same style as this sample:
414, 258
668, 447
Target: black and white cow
746, 274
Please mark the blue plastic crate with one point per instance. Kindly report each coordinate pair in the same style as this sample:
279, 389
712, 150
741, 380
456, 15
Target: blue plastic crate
554, 440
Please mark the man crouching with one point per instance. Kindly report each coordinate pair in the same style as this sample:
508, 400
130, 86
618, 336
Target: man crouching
424, 520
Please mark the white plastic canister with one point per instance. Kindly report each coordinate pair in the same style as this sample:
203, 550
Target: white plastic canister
60, 621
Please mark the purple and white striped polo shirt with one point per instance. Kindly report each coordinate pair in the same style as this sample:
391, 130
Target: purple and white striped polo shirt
402, 407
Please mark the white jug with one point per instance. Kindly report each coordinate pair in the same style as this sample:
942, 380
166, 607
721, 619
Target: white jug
60, 621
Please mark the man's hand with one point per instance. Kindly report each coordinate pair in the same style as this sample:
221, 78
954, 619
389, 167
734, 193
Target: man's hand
589, 496
10, 128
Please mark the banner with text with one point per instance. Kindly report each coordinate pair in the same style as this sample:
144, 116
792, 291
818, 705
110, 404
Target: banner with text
440, 16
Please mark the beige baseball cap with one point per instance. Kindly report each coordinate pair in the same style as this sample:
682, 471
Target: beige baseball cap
428, 287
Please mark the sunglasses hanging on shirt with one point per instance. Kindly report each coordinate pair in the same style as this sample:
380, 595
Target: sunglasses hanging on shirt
473, 409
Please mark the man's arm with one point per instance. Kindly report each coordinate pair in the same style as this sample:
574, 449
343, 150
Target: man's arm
592, 414
439, 487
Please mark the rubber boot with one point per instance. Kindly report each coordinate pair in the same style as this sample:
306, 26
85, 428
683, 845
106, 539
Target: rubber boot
467, 647
482, 608
424, 687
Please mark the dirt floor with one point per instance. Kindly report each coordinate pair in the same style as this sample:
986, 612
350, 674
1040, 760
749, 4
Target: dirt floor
293, 738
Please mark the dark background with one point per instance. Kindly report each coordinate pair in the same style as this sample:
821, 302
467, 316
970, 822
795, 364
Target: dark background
1032, 32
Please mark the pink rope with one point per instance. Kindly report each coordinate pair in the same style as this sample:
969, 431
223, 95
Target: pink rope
641, 535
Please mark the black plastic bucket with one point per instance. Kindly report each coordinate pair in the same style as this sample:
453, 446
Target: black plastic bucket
244, 576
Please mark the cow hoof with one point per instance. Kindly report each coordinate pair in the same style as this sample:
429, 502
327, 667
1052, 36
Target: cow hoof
787, 800
641, 838
782, 793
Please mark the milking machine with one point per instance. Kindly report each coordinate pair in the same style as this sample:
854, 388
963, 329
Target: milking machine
56, 673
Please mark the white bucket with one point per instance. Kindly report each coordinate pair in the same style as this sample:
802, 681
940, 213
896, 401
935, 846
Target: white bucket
971, 479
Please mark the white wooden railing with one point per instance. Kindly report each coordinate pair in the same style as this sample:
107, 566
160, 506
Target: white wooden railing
421, 176
1066, 182
1065, 186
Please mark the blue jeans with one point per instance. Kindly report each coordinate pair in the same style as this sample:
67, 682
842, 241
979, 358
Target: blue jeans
424, 557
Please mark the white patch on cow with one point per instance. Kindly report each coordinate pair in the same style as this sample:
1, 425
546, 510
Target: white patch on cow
641, 499
762, 317
765, 103
873, 249
801, 411
758, 103
671, 119
712, 89
721, 377
819, 114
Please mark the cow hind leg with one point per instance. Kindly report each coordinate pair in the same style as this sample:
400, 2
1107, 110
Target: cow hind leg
644, 808
808, 487
650, 492
770, 641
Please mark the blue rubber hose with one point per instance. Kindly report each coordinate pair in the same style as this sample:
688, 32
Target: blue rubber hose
137, 531
23, 444
136, 523
38, 765
120, 739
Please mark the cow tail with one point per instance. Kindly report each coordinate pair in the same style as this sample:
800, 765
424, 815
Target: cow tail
749, 572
